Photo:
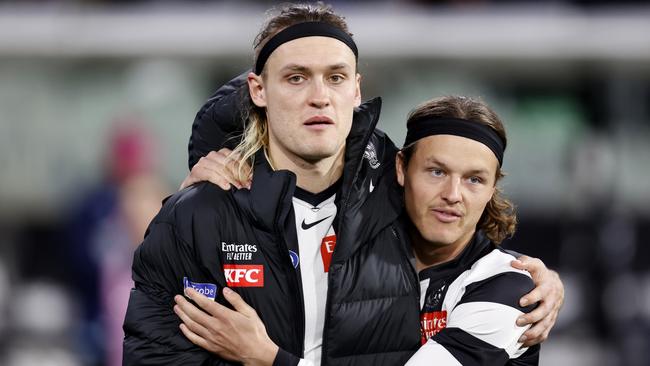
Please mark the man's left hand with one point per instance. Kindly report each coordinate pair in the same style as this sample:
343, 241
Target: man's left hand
549, 292
236, 335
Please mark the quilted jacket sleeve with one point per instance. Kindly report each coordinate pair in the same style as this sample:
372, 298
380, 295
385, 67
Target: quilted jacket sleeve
152, 334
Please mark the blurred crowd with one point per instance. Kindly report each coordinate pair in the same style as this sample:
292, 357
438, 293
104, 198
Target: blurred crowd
74, 275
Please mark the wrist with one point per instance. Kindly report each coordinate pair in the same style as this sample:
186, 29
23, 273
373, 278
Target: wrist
264, 355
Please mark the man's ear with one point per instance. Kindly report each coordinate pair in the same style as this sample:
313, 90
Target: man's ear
399, 168
357, 94
256, 89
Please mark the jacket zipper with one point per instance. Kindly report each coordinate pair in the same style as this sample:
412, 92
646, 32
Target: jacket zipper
298, 294
344, 204
404, 250
299, 298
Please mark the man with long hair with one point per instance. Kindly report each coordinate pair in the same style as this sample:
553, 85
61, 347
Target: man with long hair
449, 167
315, 246
274, 244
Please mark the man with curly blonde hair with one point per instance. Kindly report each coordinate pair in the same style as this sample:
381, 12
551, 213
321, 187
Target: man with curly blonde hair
449, 168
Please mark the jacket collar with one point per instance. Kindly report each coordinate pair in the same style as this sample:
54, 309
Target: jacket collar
478, 246
370, 199
269, 199
363, 125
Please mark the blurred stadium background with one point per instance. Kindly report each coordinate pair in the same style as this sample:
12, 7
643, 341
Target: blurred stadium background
97, 100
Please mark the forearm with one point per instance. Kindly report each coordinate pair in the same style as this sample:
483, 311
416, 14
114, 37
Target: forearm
151, 328
152, 337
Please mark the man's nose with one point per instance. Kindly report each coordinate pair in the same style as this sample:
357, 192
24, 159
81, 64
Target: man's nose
451, 192
319, 94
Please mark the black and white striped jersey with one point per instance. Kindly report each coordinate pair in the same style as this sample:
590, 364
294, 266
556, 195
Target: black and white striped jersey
315, 216
469, 307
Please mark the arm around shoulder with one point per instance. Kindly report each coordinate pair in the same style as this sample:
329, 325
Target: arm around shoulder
480, 328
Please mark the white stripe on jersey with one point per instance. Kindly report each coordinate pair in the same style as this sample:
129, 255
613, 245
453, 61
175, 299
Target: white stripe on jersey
490, 322
424, 285
490, 265
314, 277
432, 353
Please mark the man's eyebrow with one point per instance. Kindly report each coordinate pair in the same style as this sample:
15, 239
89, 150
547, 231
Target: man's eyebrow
305, 69
437, 162
478, 172
295, 67
434, 161
339, 66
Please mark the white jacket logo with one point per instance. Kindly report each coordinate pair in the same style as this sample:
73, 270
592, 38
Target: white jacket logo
370, 154
238, 252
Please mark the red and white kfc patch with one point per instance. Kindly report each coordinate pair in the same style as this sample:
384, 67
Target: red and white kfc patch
326, 250
244, 275
431, 323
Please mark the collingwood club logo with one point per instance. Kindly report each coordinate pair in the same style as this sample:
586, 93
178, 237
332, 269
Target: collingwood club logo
370, 154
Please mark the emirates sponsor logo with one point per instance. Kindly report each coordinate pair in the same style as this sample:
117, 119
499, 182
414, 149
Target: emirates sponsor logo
238, 252
431, 323
326, 250
240, 275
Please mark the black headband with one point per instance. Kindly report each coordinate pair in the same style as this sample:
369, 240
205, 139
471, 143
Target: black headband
300, 30
421, 128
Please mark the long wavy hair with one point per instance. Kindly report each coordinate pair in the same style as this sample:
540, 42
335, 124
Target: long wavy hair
499, 219
256, 132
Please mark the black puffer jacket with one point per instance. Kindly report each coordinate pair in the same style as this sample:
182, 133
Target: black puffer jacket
372, 312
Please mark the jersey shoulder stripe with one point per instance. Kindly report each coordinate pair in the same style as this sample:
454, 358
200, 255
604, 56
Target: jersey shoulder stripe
433, 353
469, 350
505, 288
492, 323
485, 297
495, 263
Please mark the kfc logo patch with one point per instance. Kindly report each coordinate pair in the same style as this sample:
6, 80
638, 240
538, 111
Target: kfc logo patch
240, 275
431, 323
326, 251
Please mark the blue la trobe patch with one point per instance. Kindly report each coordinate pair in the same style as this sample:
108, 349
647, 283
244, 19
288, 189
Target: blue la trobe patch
208, 290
